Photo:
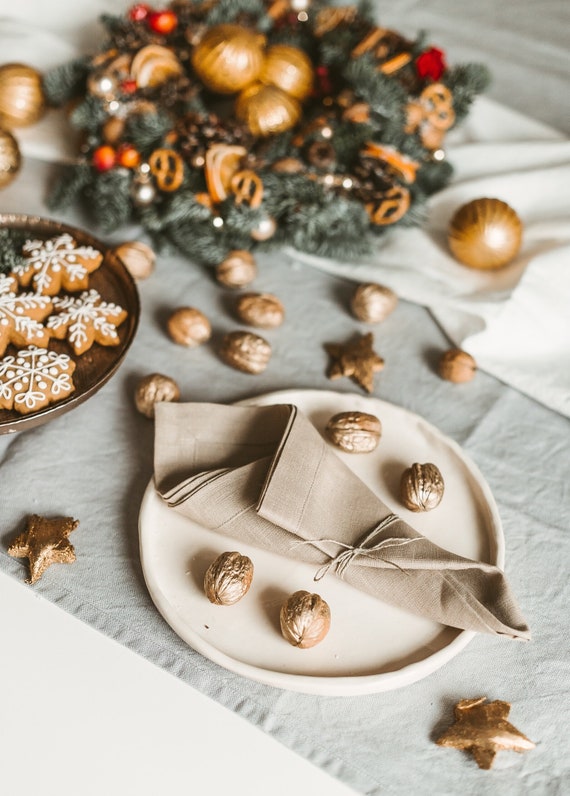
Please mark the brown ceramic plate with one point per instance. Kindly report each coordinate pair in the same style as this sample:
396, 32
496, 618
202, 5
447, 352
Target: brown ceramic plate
96, 366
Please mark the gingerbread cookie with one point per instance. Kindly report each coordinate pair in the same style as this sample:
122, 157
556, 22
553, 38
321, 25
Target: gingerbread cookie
56, 264
85, 319
21, 316
34, 378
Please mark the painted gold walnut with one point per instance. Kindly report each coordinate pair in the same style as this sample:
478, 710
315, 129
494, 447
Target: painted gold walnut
152, 389
260, 309
245, 351
421, 487
354, 432
305, 619
189, 327
457, 366
372, 303
228, 578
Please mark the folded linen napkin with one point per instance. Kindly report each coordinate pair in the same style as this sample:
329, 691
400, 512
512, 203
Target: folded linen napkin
265, 476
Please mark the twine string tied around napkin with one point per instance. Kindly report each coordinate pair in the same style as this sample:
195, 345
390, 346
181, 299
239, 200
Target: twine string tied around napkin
342, 560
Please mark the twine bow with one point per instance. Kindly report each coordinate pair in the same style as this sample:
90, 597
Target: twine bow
342, 560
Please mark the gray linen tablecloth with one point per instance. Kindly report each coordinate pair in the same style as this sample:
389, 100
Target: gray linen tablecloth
95, 463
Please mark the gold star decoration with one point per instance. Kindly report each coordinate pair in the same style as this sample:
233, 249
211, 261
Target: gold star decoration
44, 542
483, 730
356, 359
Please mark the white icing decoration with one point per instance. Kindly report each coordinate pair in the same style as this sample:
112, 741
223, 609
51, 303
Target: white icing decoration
78, 314
14, 309
51, 256
31, 390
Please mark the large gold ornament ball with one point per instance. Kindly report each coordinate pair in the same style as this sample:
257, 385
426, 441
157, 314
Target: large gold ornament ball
267, 110
22, 99
485, 233
10, 159
290, 69
228, 58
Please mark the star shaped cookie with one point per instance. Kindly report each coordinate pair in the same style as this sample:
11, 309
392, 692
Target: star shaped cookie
44, 542
483, 730
21, 315
356, 359
86, 319
33, 378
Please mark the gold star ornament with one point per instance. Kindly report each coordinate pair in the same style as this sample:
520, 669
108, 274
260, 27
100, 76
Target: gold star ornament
44, 542
356, 360
482, 728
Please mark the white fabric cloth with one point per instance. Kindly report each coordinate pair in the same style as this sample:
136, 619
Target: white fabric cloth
515, 321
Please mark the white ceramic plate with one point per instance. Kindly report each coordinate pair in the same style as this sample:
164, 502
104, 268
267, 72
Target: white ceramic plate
371, 646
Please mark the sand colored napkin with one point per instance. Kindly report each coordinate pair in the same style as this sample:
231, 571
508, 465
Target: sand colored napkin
265, 476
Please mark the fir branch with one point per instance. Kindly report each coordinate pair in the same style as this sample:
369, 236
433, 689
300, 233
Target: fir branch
65, 82
146, 130
338, 228
88, 115
434, 175
465, 82
109, 199
385, 95
230, 10
69, 186
11, 242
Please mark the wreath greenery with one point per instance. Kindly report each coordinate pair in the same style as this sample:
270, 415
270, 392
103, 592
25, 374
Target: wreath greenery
161, 148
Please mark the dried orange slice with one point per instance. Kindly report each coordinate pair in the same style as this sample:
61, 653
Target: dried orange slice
154, 65
405, 167
222, 162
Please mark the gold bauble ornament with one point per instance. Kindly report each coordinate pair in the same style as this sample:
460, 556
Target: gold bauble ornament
290, 69
22, 99
267, 110
485, 233
10, 158
228, 58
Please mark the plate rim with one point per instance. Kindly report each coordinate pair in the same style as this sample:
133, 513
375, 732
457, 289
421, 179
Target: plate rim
34, 419
320, 685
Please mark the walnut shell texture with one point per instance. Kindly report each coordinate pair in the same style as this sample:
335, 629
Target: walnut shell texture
373, 303
354, 432
457, 366
189, 327
305, 619
485, 233
260, 309
421, 487
238, 269
228, 578
245, 351
154, 388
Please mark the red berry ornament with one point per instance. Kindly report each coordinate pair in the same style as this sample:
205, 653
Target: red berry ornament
104, 158
139, 12
129, 86
162, 21
431, 64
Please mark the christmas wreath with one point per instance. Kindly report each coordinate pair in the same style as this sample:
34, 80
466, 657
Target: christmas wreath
247, 123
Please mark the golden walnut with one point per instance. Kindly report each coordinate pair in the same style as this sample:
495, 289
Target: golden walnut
228, 578
457, 366
373, 303
260, 309
245, 351
421, 487
152, 389
138, 258
237, 270
354, 432
305, 619
189, 327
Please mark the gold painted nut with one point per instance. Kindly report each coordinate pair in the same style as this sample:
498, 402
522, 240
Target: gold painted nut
421, 487
457, 366
154, 388
245, 351
228, 578
305, 619
260, 309
237, 270
189, 327
373, 303
354, 432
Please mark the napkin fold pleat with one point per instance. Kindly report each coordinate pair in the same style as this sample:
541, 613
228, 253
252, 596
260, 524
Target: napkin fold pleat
265, 476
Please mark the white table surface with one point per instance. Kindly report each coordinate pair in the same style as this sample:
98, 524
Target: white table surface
83, 716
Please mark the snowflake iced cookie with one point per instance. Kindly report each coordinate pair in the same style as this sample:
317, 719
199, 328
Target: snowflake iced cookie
85, 319
21, 316
34, 378
56, 264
